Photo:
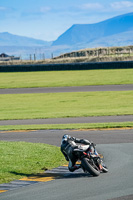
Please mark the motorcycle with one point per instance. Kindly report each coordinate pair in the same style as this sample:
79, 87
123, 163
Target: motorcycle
90, 160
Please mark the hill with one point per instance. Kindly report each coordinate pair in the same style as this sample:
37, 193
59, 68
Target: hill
8, 39
80, 34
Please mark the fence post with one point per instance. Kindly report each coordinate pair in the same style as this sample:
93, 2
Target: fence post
108, 51
129, 52
43, 56
30, 57
34, 57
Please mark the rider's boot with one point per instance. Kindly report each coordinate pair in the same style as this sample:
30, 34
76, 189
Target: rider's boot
73, 168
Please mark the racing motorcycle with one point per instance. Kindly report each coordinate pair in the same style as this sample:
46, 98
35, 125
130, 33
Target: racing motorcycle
90, 159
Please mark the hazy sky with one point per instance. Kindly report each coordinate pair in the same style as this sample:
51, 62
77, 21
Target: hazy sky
47, 19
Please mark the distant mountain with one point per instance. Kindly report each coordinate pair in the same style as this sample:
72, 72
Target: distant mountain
80, 34
8, 39
117, 31
121, 39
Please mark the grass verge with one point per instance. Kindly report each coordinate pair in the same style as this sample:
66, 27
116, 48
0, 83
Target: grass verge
68, 126
20, 159
57, 105
66, 78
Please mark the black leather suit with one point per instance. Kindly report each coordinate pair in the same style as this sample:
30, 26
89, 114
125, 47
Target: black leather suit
67, 150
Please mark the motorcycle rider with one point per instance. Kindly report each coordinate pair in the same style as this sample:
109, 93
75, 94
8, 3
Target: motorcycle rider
68, 144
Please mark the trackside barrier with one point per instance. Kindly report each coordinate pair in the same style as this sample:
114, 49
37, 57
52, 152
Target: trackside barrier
67, 66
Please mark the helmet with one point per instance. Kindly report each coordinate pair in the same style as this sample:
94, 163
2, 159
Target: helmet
65, 138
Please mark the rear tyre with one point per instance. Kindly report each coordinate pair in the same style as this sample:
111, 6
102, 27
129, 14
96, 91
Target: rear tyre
93, 170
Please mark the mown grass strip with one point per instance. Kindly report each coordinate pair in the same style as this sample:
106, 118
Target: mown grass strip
68, 126
58, 105
66, 78
21, 159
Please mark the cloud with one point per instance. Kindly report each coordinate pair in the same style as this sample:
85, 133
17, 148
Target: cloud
91, 6
45, 9
122, 5
3, 8
6, 13
35, 14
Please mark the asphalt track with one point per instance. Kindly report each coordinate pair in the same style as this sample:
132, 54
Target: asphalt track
53, 137
92, 88
70, 120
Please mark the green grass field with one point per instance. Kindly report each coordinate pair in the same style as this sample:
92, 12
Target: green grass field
68, 126
66, 78
21, 159
56, 105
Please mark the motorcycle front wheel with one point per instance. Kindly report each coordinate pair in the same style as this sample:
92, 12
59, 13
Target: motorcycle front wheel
89, 167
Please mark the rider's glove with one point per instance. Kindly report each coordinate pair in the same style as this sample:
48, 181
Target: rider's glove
93, 144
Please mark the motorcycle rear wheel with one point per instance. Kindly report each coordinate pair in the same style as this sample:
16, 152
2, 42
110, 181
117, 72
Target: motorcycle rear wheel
89, 167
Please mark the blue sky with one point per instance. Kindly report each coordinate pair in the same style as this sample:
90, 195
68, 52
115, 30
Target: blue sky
48, 19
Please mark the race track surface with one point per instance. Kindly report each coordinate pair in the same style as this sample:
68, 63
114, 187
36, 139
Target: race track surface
53, 137
68, 89
70, 120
